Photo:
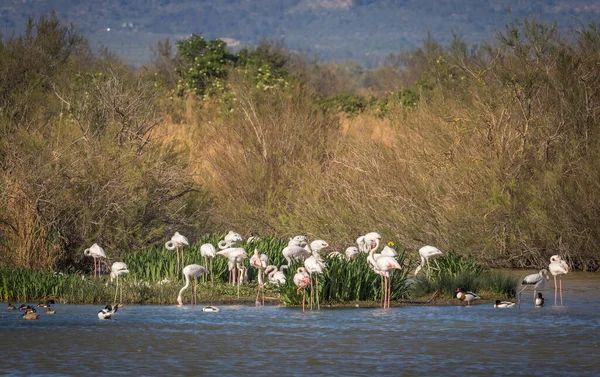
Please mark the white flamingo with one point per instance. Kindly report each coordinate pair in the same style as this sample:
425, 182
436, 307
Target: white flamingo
231, 239
351, 252
299, 240
191, 271
315, 265
558, 267
96, 252
118, 269
178, 240
276, 277
260, 262
427, 252
533, 280
302, 280
504, 304
208, 251
295, 252
232, 254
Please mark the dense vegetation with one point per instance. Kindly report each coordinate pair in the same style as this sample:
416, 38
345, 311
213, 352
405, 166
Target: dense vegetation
490, 151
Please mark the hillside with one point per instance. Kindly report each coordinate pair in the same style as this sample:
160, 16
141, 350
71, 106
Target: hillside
365, 31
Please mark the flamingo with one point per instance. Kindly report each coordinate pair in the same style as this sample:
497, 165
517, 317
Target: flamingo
558, 267
387, 265
260, 262
231, 239
466, 296
504, 304
301, 280
425, 253
533, 280
118, 269
232, 253
96, 252
539, 300
295, 252
351, 252
107, 312
299, 240
212, 309
276, 276
314, 264
191, 271
178, 240
208, 251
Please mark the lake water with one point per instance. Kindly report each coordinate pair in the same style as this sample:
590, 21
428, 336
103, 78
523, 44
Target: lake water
241, 340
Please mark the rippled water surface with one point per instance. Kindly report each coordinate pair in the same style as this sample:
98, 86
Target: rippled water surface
242, 340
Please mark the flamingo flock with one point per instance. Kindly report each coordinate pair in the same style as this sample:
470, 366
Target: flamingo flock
310, 255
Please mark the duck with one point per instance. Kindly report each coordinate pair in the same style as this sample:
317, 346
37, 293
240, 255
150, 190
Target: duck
31, 314
11, 306
504, 304
26, 307
50, 310
539, 301
107, 312
211, 309
466, 296
42, 305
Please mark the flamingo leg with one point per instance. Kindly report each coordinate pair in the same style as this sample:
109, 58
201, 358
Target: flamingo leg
555, 290
317, 290
211, 272
303, 297
177, 268
195, 290
389, 290
116, 290
560, 282
312, 298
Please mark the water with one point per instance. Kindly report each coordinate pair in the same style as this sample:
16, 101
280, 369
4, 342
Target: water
241, 340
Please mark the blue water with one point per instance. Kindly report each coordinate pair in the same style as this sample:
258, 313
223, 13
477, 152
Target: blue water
240, 340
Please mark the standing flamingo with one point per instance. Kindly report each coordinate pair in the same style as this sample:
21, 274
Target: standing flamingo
425, 253
558, 267
191, 271
208, 251
260, 262
96, 252
295, 252
178, 240
301, 280
314, 264
232, 254
118, 269
533, 280
387, 265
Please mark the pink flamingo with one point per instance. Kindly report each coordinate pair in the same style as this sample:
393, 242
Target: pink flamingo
387, 265
191, 271
302, 280
558, 267
260, 262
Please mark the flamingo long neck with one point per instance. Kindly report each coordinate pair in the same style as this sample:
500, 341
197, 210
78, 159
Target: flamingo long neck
187, 284
422, 261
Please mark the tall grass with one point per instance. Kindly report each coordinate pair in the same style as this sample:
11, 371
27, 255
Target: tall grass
453, 271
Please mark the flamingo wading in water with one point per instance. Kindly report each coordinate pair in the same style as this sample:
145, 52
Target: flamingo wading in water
260, 262
302, 280
191, 271
558, 267
118, 269
533, 280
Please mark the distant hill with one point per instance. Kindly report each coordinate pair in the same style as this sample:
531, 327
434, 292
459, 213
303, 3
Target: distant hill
365, 31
